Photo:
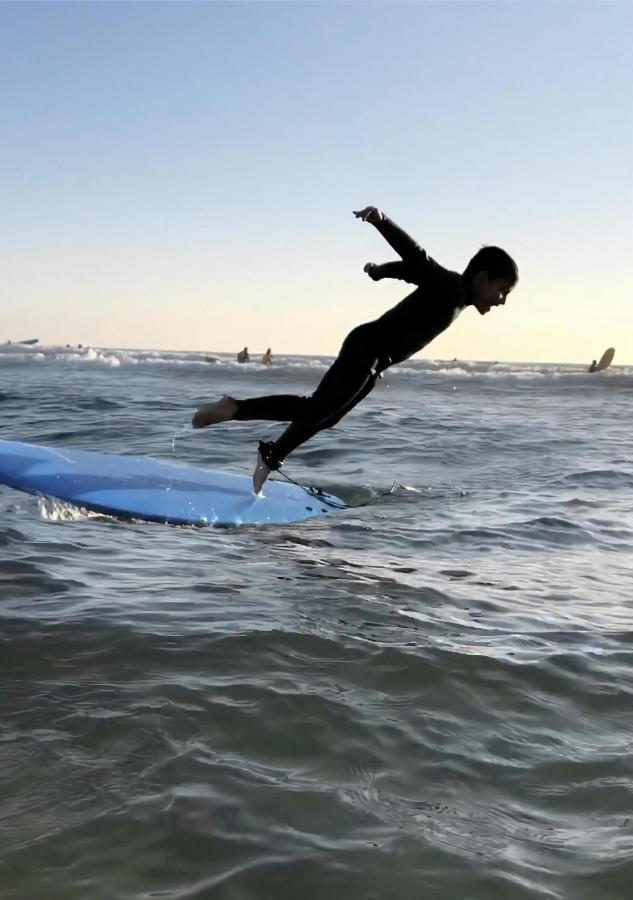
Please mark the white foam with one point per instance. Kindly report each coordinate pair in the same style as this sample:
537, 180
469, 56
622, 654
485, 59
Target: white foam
52, 510
450, 371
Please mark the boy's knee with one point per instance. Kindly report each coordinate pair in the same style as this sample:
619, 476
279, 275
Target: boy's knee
311, 410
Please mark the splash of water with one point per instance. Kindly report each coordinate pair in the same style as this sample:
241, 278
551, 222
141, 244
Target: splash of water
186, 429
53, 510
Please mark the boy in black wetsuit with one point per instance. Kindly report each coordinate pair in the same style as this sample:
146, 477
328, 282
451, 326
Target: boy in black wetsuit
371, 348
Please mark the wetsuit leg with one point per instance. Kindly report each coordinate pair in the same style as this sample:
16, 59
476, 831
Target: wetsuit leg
350, 378
299, 432
277, 407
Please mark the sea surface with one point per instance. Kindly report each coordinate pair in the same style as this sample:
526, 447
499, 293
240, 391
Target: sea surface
428, 695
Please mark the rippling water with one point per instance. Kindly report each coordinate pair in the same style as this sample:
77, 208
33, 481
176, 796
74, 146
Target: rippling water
427, 695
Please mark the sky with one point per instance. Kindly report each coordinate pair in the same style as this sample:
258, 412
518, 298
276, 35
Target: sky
183, 175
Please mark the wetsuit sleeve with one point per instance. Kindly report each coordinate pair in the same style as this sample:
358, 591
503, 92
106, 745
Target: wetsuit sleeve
396, 269
410, 252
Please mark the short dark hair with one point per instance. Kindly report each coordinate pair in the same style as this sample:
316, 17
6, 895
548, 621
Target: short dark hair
495, 262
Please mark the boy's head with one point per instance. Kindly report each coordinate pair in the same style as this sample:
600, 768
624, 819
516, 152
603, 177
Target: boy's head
490, 276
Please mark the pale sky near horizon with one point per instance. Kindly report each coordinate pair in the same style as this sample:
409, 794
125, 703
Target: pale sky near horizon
182, 175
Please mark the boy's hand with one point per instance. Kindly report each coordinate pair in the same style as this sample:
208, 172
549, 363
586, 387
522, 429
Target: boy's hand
368, 268
370, 214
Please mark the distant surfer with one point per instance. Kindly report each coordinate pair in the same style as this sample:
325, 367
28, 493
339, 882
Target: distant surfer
369, 349
594, 365
242, 356
267, 358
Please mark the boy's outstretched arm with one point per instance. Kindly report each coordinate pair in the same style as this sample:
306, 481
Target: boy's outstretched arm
397, 269
405, 246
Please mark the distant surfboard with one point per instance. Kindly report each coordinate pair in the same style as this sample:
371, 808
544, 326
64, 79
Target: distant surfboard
605, 361
142, 488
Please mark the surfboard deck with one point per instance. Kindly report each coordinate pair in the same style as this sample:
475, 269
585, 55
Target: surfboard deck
153, 491
605, 360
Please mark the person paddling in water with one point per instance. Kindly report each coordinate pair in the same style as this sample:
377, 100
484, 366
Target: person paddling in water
369, 349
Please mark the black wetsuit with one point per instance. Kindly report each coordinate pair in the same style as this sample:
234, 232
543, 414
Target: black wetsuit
370, 348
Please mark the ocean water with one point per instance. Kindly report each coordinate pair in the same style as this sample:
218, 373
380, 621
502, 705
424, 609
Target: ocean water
428, 695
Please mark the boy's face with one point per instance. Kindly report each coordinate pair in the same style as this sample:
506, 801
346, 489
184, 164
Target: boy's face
488, 293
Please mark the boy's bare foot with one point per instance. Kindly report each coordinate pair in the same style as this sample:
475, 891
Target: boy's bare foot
221, 411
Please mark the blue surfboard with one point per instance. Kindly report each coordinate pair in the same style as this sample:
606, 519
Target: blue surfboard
142, 488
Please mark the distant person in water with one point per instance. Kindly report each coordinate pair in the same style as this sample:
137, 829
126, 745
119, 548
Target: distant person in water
242, 356
594, 365
369, 349
267, 358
